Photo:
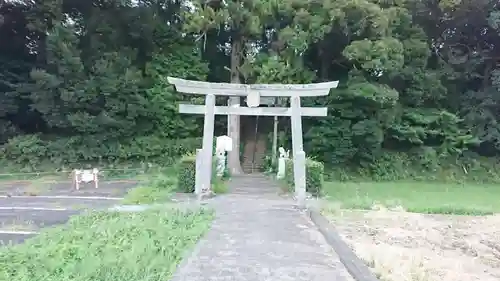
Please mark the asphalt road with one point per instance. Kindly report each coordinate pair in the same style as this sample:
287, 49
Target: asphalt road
25, 209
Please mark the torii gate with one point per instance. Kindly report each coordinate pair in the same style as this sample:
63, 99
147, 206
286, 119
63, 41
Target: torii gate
253, 92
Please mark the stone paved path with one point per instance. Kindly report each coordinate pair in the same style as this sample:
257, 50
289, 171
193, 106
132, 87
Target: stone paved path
260, 236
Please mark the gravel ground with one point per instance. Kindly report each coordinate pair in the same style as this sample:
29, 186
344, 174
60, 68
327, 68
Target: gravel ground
403, 246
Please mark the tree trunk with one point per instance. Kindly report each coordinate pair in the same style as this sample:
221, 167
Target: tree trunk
325, 63
487, 75
275, 141
233, 121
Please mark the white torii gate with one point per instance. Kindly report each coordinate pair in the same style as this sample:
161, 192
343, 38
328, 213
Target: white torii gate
253, 92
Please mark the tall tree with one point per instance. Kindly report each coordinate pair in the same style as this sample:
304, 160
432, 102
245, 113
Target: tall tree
17, 58
241, 21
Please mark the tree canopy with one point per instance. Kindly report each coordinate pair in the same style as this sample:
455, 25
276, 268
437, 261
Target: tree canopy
86, 80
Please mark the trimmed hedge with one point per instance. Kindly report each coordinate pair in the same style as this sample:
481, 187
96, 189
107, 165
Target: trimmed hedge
186, 174
186, 177
314, 176
34, 153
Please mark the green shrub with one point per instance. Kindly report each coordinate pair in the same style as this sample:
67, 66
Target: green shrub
314, 176
186, 174
32, 152
268, 165
186, 178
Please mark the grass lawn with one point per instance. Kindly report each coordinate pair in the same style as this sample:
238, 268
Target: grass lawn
161, 188
144, 246
419, 197
147, 194
157, 190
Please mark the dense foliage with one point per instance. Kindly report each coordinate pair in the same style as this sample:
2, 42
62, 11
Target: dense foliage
86, 80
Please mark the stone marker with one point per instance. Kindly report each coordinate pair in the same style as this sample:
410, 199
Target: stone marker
282, 162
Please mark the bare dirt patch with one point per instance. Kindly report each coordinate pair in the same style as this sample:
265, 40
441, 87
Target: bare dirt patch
402, 246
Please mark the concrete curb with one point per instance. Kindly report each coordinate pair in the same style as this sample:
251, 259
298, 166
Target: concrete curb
141, 208
354, 265
181, 203
130, 208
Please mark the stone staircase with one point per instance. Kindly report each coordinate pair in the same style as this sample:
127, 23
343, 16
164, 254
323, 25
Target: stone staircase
252, 163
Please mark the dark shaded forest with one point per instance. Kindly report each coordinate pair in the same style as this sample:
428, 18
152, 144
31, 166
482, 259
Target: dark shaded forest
85, 81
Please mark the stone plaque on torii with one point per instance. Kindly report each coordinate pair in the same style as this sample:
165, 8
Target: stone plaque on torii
253, 93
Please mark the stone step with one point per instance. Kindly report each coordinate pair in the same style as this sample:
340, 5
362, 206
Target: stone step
249, 163
251, 187
258, 157
252, 181
253, 157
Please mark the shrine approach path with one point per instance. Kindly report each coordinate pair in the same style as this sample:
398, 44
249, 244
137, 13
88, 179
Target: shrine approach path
260, 235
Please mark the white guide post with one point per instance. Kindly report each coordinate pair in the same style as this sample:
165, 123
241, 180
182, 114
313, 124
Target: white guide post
253, 93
